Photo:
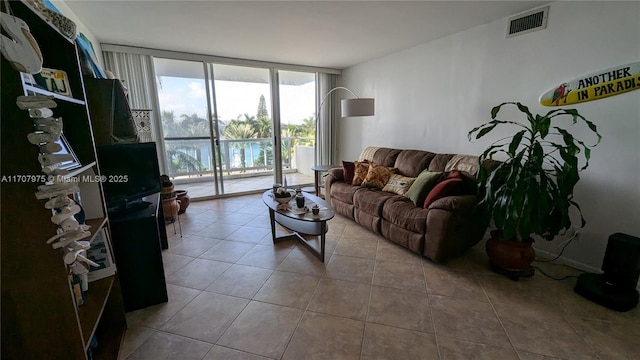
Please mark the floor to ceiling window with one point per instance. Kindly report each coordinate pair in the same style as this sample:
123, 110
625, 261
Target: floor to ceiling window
218, 126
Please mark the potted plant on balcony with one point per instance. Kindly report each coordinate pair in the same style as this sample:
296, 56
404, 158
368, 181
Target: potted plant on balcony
531, 191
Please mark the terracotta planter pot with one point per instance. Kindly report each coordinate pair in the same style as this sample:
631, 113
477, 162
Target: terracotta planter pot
184, 199
170, 208
510, 255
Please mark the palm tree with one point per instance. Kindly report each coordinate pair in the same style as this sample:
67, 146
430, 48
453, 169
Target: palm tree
238, 130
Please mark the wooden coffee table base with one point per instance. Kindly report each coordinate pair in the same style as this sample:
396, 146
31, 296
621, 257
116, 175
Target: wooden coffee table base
299, 228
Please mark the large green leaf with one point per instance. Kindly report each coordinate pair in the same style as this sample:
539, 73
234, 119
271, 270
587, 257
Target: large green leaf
531, 191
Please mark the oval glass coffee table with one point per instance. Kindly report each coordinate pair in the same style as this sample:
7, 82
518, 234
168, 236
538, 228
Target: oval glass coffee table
300, 222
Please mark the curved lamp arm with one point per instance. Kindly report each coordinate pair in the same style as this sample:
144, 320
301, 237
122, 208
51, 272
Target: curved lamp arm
351, 107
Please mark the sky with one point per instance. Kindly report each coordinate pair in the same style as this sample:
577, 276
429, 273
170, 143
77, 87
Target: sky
233, 98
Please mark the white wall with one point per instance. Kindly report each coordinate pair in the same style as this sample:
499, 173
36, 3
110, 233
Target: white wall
81, 28
430, 96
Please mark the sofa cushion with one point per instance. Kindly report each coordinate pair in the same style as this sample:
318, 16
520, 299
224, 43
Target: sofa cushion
385, 156
439, 162
398, 184
371, 200
401, 212
378, 176
451, 185
421, 187
412, 162
343, 192
360, 172
348, 168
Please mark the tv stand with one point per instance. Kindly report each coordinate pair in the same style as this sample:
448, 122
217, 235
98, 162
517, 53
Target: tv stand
136, 239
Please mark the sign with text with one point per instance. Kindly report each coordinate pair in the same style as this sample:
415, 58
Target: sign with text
597, 85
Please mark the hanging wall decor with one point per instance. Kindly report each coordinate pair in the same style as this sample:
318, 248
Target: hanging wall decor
593, 86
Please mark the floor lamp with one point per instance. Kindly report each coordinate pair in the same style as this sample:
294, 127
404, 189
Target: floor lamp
348, 107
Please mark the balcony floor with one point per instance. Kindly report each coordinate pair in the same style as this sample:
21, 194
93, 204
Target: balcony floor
244, 185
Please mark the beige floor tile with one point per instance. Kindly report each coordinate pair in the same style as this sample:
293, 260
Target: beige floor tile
262, 221
249, 234
325, 337
389, 251
133, 338
254, 209
269, 257
355, 231
192, 227
155, 316
443, 281
262, 329
453, 349
386, 342
227, 251
205, 215
541, 329
193, 246
469, 320
364, 248
399, 275
288, 289
400, 308
223, 353
335, 228
198, 274
171, 347
240, 280
534, 290
301, 261
236, 218
172, 262
617, 339
350, 269
217, 230
531, 356
341, 298
206, 317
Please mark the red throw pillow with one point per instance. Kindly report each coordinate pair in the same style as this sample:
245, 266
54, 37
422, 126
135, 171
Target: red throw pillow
447, 187
348, 169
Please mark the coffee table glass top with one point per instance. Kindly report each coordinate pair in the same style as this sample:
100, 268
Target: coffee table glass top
291, 210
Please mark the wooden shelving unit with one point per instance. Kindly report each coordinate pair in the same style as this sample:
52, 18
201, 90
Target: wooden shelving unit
40, 319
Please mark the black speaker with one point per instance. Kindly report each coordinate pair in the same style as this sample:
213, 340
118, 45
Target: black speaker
616, 287
621, 264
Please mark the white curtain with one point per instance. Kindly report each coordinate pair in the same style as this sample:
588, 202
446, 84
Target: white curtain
326, 123
138, 75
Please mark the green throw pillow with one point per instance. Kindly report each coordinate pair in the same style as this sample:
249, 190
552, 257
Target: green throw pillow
425, 181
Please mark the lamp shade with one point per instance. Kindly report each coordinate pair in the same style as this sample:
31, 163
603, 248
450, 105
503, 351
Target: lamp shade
357, 107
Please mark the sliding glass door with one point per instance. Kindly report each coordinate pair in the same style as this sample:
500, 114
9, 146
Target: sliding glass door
219, 121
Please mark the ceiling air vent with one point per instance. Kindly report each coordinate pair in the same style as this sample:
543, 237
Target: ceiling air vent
527, 22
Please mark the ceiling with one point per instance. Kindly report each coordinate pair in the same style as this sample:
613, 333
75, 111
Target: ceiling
330, 34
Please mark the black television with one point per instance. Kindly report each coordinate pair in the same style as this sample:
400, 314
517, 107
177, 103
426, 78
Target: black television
130, 172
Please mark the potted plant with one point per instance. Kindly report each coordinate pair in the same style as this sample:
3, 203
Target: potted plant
531, 191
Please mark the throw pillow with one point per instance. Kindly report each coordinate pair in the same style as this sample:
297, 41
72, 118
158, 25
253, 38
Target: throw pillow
348, 168
360, 172
425, 181
398, 184
452, 185
378, 176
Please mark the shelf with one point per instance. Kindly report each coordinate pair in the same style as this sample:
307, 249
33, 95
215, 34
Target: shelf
89, 314
44, 18
79, 171
96, 224
37, 90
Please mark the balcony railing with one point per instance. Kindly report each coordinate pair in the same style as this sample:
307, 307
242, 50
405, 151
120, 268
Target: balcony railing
193, 157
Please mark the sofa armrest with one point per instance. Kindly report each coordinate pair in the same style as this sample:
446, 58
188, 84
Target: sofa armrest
333, 175
459, 203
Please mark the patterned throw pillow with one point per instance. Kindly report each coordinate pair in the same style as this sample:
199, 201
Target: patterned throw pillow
378, 176
360, 172
398, 184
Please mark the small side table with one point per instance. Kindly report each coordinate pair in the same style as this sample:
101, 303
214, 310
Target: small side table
318, 170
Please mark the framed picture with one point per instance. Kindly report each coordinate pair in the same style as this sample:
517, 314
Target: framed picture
66, 149
100, 253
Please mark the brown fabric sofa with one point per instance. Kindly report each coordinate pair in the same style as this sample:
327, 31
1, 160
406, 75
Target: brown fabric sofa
445, 229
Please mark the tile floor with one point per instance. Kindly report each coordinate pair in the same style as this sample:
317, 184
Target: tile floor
234, 295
